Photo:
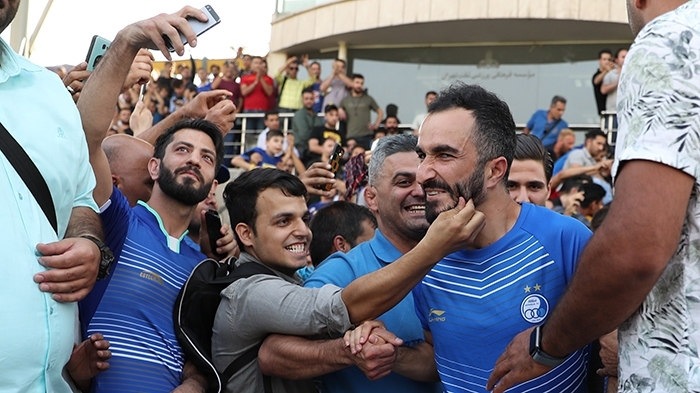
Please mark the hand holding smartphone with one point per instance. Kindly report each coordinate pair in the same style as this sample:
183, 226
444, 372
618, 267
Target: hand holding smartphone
334, 162
197, 26
98, 47
213, 223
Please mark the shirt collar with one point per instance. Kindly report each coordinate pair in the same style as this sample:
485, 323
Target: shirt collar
11, 64
383, 249
153, 219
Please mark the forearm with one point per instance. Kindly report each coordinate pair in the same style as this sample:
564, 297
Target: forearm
599, 78
267, 88
84, 221
625, 257
101, 91
346, 80
326, 83
247, 89
151, 134
240, 162
315, 147
297, 358
298, 165
380, 117
367, 297
605, 89
574, 170
417, 363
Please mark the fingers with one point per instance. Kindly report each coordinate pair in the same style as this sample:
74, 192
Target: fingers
354, 339
380, 335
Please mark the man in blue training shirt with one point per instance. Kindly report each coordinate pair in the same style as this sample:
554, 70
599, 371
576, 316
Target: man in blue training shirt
546, 124
473, 302
153, 261
399, 205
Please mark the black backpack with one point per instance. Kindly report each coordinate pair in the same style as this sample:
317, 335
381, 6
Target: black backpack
194, 312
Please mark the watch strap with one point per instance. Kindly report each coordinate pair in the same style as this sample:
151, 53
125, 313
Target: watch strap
106, 256
540, 356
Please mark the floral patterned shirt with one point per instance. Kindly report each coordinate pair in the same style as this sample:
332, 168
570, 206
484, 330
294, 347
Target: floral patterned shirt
659, 115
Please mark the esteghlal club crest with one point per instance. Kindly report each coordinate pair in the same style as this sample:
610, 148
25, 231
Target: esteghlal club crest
534, 308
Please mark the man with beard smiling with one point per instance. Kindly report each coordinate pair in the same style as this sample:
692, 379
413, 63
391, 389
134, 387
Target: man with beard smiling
398, 202
475, 300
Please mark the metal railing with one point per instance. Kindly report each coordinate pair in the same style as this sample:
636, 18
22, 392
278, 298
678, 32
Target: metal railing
243, 138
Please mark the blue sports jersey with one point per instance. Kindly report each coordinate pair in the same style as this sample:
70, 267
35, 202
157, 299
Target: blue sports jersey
341, 269
475, 301
135, 313
267, 160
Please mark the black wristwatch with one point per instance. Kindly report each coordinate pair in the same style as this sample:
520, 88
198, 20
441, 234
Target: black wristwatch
107, 258
538, 354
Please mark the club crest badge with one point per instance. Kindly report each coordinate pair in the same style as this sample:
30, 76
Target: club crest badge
534, 308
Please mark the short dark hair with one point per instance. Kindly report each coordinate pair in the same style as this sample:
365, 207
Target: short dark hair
599, 217
337, 219
591, 193
202, 125
270, 113
257, 57
494, 134
529, 147
574, 182
594, 133
341, 60
357, 76
604, 51
617, 52
556, 99
430, 92
177, 83
307, 90
241, 195
273, 133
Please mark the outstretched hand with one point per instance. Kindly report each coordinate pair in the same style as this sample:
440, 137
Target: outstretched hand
455, 229
515, 365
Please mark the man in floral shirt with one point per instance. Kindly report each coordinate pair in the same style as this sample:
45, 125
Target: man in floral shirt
641, 270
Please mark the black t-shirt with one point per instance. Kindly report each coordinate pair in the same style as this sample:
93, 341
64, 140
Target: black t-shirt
322, 133
599, 97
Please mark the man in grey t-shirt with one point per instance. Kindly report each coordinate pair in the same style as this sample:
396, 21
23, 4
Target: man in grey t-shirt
611, 79
356, 109
595, 144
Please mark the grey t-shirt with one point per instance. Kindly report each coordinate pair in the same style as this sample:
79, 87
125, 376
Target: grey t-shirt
251, 308
611, 98
358, 110
579, 157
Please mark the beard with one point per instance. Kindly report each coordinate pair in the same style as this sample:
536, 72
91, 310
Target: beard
7, 13
472, 188
185, 192
635, 19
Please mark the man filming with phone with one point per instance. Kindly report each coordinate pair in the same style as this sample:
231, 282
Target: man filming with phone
151, 235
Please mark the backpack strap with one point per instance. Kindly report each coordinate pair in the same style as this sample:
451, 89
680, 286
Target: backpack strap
32, 178
243, 271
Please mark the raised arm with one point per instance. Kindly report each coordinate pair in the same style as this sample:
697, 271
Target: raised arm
368, 297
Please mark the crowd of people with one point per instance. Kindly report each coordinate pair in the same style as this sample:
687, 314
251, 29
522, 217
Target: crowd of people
459, 256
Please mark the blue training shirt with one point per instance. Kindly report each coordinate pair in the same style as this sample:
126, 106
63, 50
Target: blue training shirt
135, 313
475, 301
538, 124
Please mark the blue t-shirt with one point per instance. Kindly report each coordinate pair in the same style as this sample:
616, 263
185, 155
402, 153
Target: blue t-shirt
475, 301
267, 160
538, 124
318, 97
341, 269
135, 313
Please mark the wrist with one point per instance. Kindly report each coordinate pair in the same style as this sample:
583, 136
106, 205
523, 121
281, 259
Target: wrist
540, 354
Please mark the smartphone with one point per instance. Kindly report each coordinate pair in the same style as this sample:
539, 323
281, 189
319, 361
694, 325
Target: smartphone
98, 47
142, 92
334, 162
213, 229
198, 27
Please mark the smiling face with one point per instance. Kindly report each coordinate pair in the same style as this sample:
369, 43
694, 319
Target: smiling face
397, 198
527, 182
281, 236
449, 165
